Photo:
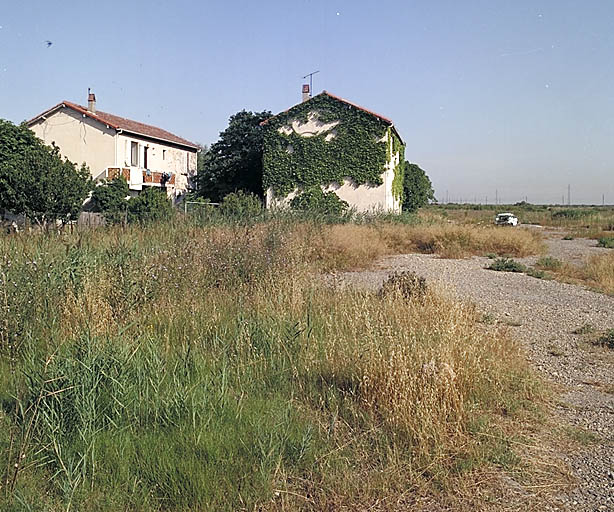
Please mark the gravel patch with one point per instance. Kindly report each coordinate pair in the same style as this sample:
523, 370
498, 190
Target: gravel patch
544, 315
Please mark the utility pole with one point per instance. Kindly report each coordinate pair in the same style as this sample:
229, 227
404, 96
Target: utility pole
496, 196
602, 199
569, 195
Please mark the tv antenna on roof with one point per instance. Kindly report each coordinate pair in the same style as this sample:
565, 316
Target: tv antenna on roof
310, 75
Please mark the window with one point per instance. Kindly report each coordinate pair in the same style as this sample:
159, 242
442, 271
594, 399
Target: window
164, 154
134, 154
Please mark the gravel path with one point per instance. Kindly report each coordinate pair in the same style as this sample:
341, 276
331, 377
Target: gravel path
544, 315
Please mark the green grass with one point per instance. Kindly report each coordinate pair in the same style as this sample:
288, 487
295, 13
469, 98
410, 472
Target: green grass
606, 241
548, 263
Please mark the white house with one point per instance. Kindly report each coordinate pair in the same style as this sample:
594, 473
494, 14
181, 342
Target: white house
330, 142
111, 145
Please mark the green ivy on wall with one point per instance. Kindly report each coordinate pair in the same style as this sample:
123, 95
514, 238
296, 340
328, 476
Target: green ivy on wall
399, 169
357, 150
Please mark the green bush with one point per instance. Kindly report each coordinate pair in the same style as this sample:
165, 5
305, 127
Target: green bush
241, 204
506, 265
109, 198
607, 339
534, 272
315, 200
606, 241
150, 205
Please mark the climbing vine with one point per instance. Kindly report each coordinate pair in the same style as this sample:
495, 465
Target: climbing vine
355, 148
399, 169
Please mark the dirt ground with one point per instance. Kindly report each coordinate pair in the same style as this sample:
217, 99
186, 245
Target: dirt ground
557, 324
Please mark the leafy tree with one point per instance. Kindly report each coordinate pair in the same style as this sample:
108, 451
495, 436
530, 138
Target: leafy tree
417, 188
234, 162
150, 205
35, 180
110, 199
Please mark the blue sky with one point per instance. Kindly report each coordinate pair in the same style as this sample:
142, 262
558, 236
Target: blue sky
513, 98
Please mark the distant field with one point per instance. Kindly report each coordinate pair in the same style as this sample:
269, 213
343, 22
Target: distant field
592, 221
207, 367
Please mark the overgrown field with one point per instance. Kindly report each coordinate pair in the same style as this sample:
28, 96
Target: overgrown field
182, 367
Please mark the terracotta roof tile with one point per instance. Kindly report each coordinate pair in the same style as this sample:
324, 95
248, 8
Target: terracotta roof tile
121, 123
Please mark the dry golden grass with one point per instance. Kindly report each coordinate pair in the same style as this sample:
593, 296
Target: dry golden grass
600, 272
596, 273
420, 364
358, 246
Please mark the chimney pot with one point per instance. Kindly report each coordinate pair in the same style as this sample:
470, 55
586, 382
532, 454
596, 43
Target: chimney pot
91, 102
306, 92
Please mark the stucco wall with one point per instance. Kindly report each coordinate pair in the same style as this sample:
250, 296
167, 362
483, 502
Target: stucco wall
160, 157
79, 138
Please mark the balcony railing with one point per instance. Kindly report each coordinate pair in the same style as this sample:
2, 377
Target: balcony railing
137, 177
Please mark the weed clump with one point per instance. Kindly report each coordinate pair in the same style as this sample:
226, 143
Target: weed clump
606, 339
606, 241
536, 273
408, 284
549, 263
506, 265
584, 329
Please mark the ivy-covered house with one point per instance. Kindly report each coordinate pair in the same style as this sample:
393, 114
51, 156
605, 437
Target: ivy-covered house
329, 142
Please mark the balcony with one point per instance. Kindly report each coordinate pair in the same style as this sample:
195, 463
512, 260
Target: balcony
137, 177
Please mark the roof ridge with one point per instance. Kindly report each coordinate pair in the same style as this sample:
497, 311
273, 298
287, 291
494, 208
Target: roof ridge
114, 121
347, 102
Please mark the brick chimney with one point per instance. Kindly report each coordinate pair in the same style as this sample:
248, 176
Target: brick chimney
91, 102
306, 93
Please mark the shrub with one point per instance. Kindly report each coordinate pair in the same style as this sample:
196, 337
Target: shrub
606, 241
109, 198
534, 272
408, 284
241, 204
149, 205
315, 200
506, 265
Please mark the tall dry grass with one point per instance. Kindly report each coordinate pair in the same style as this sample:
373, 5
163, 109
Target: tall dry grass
596, 273
180, 367
355, 246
